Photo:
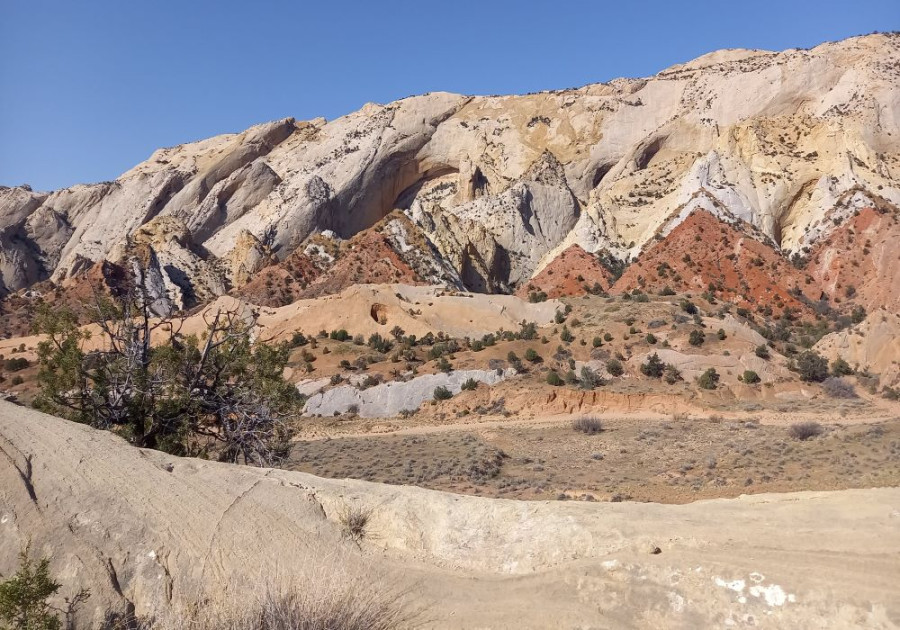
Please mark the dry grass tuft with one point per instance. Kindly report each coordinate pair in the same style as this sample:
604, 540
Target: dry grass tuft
588, 425
805, 430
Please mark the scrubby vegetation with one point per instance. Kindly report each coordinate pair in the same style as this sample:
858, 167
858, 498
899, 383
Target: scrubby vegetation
217, 394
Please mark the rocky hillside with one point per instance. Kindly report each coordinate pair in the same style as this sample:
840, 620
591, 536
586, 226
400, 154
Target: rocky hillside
486, 191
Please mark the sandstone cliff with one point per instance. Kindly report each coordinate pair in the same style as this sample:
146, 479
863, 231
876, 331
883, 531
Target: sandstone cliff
788, 142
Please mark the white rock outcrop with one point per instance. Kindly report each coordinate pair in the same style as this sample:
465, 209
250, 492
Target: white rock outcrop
389, 399
501, 184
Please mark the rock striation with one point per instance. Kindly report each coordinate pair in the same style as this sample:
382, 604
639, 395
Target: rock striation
493, 188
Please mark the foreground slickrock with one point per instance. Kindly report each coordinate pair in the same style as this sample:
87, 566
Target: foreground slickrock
144, 529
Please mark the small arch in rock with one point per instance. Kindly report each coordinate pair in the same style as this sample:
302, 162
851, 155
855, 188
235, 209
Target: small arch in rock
379, 313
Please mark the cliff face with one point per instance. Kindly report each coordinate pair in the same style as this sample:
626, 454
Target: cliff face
496, 187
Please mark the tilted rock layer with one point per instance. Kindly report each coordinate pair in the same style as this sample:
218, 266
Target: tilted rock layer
494, 188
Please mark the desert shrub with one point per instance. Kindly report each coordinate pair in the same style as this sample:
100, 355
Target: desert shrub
813, 368
532, 355
339, 335
589, 379
614, 367
653, 366
444, 365
469, 385
607, 337
324, 599
762, 351
720, 335
298, 339
354, 521
839, 367
476, 345
560, 317
24, 598
709, 379
697, 338
527, 331
687, 306
805, 430
537, 296
750, 377
442, 393
554, 379
671, 374
16, 380
597, 342
379, 343
218, 394
838, 388
588, 425
15, 364
650, 338
566, 335
569, 377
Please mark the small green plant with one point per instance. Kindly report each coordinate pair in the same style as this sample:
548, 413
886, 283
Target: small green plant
23, 597
444, 365
554, 379
566, 336
720, 335
597, 342
671, 374
442, 393
687, 306
614, 367
650, 338
762, 351
339, 335
697, 338
653, 367
750, 377
813, 368
469, 385
532, 356
607, 337
839, 367
709, 379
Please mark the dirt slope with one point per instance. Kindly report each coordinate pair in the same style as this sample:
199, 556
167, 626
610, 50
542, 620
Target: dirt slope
703, 251
143, 529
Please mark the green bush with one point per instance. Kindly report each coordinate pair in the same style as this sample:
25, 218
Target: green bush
653, 367
340, 335
554, 379
597, 342
709, 379
566, 335
16, 364
697, 338
750, 377
23, 597
720, 335
650, 338
532, 355
671, 374
687, 306
813, 368
442, 393
614, 367
762, 351
839, 367
469, 385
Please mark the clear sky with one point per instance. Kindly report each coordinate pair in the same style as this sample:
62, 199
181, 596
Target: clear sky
88, 88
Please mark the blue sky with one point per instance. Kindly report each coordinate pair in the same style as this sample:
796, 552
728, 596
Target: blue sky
91, 88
